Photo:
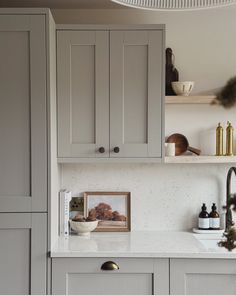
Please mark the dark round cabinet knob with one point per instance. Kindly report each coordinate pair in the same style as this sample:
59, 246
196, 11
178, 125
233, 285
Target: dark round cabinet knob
116, 150
101, 150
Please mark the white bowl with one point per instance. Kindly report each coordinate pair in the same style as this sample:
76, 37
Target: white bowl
83, 228
182, 88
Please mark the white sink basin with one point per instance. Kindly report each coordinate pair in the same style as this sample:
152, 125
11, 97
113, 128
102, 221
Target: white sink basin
210, 242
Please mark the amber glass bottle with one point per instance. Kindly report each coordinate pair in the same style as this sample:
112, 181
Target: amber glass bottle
203, 220
214, 218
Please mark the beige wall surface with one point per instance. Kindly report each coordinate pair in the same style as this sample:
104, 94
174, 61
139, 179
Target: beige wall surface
203, 41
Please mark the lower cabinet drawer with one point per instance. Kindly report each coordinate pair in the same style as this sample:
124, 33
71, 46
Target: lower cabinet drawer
103, 276
202, 276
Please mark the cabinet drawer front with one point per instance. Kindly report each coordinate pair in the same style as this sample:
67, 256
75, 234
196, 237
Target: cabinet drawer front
139, 276
202, 276
93, 265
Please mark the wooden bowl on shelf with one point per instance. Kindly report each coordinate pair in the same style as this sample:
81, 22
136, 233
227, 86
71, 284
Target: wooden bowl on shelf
181, 144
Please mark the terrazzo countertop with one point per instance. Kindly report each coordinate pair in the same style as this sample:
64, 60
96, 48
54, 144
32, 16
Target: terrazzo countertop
153, 244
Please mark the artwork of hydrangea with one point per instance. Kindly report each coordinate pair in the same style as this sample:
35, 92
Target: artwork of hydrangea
112, 209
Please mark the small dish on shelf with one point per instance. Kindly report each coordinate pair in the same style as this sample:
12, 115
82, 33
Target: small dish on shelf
183, 88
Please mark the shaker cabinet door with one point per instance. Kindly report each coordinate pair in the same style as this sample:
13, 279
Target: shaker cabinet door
83, 93
84, 276
202, 276
23, 144
136, 90
23, 244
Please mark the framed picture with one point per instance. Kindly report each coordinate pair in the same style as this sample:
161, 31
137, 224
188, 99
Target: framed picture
112, 209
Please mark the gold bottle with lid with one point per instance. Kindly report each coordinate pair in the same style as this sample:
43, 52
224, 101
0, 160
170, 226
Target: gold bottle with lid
229, 139
219, 140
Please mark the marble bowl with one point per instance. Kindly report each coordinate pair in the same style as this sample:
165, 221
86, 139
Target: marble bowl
83, 228
182, 88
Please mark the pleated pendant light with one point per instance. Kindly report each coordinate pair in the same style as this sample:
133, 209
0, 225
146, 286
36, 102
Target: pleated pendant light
175, 4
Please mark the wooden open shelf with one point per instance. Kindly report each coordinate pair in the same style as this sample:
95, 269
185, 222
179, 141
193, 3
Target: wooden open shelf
200, 159
198, 99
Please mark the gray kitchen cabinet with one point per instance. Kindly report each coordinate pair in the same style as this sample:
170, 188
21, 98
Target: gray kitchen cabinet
23, 244
83, 93
72, 276
202, 276
23, 122
110, 89
136, 85
26, 84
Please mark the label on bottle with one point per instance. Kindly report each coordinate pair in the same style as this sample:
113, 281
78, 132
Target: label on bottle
215, 223
203, 223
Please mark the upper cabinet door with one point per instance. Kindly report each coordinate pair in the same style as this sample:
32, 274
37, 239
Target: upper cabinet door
23, 131
136, 90
83, 93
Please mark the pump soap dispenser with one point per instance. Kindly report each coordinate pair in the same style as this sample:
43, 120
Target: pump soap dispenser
214, 218
203, 220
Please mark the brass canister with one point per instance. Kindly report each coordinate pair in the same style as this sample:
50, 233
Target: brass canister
229, 139
219, 140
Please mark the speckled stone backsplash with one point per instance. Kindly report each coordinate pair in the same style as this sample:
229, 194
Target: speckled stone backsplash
163, 196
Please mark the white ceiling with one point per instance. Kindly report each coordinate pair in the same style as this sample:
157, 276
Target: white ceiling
83, 4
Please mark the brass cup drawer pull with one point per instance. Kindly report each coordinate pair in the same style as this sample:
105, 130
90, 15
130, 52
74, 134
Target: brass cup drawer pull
109, 265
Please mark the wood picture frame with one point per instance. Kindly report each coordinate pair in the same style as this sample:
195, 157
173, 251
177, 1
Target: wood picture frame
112, 209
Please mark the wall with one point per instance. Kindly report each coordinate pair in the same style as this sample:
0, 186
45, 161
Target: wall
204, 41
164, 197
168, 197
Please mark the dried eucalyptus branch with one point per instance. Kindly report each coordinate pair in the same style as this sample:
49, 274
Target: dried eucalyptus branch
227, 96
229, 242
